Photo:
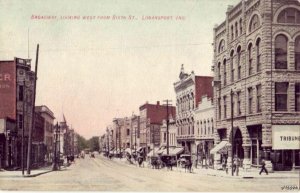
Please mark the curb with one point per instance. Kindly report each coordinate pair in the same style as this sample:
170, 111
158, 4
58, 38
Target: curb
38, 174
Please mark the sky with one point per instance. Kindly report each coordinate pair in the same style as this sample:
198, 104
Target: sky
93, 70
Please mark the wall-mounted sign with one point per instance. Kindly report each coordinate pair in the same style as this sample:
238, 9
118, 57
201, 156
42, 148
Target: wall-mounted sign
285, 137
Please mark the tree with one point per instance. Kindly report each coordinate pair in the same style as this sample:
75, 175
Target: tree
82, 143
94, 143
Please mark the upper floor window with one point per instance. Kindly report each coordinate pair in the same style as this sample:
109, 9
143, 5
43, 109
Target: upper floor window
258, 55
250, 99
224, 63
281, 96
21, 93
219, 108
225, 106
258, 98
232, 33
297, 53
236, 30
238, 95
281, 42
221, 46
239, 62
250, 66
219, 71
297, 96
289, 15
241, 26
232, 66
254, 23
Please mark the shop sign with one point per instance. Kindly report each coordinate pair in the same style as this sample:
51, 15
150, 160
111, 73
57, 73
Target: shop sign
285, 137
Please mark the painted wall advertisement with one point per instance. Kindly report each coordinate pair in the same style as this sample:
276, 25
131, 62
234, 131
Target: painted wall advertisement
7, 89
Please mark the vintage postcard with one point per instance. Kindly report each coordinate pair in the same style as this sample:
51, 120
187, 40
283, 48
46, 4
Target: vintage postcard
150, 96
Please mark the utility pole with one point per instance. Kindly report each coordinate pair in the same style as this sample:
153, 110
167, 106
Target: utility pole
231, 100
22, 148
55, 148
33, 113
120, 142
168, 102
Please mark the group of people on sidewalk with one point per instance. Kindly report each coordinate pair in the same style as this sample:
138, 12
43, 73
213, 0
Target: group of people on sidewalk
237, 163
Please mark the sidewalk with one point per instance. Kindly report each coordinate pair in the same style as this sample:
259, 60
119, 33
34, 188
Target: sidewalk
18, 173
251, 173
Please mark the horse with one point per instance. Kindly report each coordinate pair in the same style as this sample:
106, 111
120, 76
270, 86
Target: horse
188, 166
140, 161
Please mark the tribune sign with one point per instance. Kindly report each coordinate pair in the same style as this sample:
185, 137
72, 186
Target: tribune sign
8, 89
285, 137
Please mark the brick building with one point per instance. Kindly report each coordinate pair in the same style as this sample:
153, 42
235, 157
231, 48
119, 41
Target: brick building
257, 74
151, 117
48, 134
189, 91
16, 96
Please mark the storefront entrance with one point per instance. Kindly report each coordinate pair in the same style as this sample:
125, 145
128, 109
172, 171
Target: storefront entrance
238, 149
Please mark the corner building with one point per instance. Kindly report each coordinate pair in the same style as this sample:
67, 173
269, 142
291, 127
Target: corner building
257, 74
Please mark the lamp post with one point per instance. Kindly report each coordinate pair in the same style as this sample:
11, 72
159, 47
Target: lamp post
107, 141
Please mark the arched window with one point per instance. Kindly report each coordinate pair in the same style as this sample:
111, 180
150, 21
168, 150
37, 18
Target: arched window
281, 52
224, 64
232, 66
212, 126
204, 127
254, 23
289, 15
241, 26
250, 66
208, 127
219, 71
232, 33
258, 64
236, 30
297, 53
201, 128
221, 46
239, 62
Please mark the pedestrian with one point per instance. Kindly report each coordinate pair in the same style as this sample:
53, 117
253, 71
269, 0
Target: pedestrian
263, 167
236, 165
224, 164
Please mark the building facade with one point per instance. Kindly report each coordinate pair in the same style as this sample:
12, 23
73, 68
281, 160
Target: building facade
48, 137
172, 133
189, 91
204, 129
257, 79
151, 117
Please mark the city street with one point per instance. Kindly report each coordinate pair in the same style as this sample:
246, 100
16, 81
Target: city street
102, 174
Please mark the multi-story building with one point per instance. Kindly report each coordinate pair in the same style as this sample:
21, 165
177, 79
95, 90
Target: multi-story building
135, 130
172, 133
16, 95
151, 117
38, 146
189, 91
257, 78
204, 129
48, 137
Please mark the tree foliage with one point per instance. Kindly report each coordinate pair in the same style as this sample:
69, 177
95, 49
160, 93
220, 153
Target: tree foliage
82, 143
94, 143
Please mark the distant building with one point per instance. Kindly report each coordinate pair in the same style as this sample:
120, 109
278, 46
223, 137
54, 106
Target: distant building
135, 130
151, 117
48, 137
172, 133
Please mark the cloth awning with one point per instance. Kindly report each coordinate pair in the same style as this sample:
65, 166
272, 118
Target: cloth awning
173, 151
221, 147
151, 153
161, 150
